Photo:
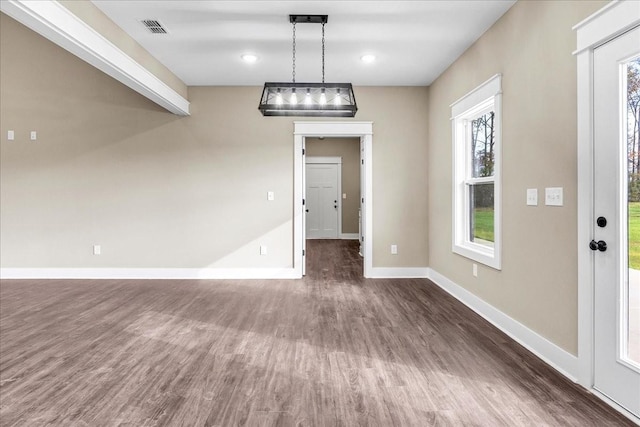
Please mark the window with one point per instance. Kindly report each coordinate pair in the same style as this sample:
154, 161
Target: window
476, 122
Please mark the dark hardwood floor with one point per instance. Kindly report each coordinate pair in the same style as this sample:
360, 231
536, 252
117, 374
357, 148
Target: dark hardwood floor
332, 349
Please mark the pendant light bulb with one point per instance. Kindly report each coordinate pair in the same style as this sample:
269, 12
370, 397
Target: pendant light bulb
323, 97
307, 99
294, 98
278, 98
337, 100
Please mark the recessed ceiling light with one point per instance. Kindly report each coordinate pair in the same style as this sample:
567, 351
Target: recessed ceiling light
250, 58
368, 58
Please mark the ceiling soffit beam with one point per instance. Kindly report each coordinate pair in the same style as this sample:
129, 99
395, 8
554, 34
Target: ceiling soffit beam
55, 22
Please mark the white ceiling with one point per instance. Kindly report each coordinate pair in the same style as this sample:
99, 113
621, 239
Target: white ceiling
413, 41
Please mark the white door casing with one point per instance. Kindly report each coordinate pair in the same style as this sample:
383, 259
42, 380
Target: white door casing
362, 130
323, 204
614, 376
361, 202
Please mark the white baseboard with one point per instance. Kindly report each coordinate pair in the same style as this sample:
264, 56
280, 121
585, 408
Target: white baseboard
148, 273
398, 273
558, 358
349, 236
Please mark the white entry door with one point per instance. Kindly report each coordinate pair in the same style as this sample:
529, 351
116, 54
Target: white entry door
616, 230
322, 200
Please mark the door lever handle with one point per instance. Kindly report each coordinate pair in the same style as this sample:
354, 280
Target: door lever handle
600, 245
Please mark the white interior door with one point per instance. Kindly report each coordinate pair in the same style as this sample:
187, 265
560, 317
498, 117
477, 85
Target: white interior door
616, 243
322, 201
304, 207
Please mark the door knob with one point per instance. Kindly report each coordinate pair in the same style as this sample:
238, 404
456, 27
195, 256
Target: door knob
601, 221
600, 245
306, 210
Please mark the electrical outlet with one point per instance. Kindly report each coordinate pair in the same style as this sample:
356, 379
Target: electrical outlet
11, 135
271, 196
34, 135
97, 250
263, 250
394, 249
475, 270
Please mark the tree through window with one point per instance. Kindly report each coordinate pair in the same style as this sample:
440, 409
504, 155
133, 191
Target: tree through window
482, 165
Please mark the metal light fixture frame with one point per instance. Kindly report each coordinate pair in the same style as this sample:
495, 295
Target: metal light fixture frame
308, 99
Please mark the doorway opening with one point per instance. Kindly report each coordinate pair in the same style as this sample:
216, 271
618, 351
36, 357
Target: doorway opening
361, 135
332, 196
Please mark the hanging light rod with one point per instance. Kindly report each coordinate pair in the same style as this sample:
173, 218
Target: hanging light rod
308, 99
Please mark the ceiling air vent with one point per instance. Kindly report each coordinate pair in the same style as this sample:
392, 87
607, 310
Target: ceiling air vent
154, 26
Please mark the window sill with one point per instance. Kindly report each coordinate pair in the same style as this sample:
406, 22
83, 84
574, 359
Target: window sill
479, 253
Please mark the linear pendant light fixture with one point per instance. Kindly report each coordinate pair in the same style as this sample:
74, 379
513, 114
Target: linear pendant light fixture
308, 99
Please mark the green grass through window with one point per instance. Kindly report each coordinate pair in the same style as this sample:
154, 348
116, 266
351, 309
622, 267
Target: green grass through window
483, 220
634, 235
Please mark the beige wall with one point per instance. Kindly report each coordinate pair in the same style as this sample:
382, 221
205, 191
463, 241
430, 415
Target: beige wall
531, 46
349, 150
157, 190
95, 18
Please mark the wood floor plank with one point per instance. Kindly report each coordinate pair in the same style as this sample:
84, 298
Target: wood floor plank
332, 349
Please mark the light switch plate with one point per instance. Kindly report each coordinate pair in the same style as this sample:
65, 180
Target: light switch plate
553, 196
11, 135
344, 195
532, 197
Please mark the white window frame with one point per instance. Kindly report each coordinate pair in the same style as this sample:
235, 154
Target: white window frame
484, 98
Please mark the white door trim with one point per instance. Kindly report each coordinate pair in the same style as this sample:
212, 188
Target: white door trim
302, 130
318, 160
606, 24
